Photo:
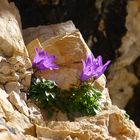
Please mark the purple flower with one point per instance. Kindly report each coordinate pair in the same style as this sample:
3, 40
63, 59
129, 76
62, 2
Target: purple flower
43, 61
93, 67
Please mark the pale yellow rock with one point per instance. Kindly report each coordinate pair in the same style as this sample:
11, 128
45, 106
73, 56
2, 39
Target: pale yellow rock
69, 50
13, 86
5, 135
124, 81
100, 83
23, 96
44, 32
4, 103
26, 81
36, 115
19, 103
60, 134
64, 77
12, 47
3, 93
17, 14
10, 39
2, 114
110, 124
20, 123
130, 48
129, 52
6, 78
2, 87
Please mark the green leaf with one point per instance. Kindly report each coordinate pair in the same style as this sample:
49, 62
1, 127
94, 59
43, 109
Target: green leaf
78, 101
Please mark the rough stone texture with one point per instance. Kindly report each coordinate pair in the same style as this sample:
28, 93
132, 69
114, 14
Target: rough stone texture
22, 120
69, 49
124, 82
132, 47
13, 54
44, 33
122, 73
19, 103
12, 119
109, 124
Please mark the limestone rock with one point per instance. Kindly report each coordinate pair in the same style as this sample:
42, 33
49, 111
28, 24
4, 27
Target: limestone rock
19, 103
35, 114
13, 86
26, 81
121, 73
124, 88
100, 83
14, 59
69, 49
44, 33
11, 38
109, 124
4, 103
20, 122
4, 135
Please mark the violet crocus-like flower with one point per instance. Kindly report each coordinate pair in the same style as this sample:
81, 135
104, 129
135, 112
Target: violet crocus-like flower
43, 61
93, 67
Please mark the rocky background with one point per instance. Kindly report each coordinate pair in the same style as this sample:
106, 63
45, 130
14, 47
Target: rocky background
110, 28
21, 119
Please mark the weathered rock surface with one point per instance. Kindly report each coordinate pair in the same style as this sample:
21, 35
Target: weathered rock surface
44, 33
110, 123
23, 120
122, 73
69, 49
14, 59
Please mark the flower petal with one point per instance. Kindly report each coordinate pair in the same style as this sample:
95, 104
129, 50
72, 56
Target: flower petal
92, 67
99, 59
43, 61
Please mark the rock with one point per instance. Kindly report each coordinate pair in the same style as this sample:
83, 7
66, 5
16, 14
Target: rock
11, 38
26, 81
109, 124
23, 96
2, 87
36, 114
121, 73
14, 120
124, 89
21, 120
14, 57
60, 134
19, 103
4, 103
4, 135
13, 86
100, 83
20, 123
3, 92
69, 49
44, 33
